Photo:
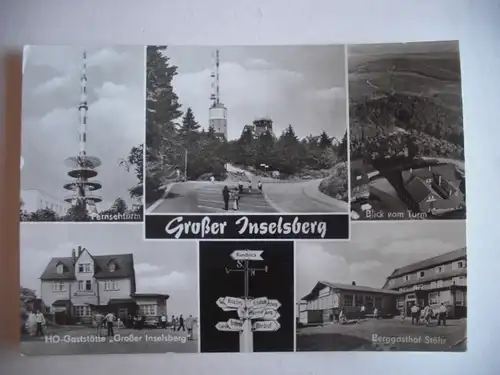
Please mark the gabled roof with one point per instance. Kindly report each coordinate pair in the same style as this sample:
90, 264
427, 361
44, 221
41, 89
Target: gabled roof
419, 190
430, 262
446, 171
345, 287
124, 267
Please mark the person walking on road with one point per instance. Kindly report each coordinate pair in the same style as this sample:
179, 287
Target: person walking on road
443, 311
427, 314
189, 326
259, 186
110, 318
212, 179
225, 197
415, 313
236, 200
181, 324
40, 321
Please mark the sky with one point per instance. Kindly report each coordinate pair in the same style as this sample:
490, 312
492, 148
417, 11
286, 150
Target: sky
374, 251
50, 118
160, 267
359, 53
299, 85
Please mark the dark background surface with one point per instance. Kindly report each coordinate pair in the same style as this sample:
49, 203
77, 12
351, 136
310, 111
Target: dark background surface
337, 226
277, 283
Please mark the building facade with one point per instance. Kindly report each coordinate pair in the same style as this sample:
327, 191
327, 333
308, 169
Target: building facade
326, 300
35, 200
83, 285
435, 281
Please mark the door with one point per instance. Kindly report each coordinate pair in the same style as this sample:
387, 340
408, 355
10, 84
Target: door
409, 305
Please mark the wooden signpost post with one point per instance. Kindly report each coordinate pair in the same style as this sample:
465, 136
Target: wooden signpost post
262, 311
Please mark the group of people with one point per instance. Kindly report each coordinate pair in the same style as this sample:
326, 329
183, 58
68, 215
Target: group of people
419, 315
35, 323
178, 323
231, 196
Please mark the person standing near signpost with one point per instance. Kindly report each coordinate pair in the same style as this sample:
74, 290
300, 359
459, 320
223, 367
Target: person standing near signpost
189, 326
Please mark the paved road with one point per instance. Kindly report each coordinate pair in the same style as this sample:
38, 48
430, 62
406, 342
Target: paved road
360, 336
143, 341
206, 197
301, 197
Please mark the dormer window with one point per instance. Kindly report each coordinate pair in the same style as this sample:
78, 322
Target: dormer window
112, 267
60, 268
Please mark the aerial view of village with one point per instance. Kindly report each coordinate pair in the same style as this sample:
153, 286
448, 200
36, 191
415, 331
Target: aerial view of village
406, 132
385, 292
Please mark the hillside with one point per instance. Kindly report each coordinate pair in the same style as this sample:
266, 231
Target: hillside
416, 93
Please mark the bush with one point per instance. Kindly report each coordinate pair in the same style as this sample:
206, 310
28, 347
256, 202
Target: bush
335, 185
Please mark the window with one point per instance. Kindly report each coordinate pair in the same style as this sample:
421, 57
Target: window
148, 310
348, 300
439, 269
84, 268
433, 284
358, 300
85, 285
428, 181
407, 277
460, 265
459, 280
83, 311
112, 267
60, 268
111, 285
433, 298
58, 286
421, 274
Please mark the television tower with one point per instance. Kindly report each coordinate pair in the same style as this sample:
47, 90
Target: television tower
83, 167
217, 117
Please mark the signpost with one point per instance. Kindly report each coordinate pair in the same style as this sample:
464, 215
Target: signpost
262, 311
268, 326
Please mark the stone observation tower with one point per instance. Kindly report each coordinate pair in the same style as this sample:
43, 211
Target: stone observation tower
217, 115
83, 167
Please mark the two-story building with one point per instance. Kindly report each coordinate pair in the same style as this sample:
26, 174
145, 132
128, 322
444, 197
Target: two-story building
84, 284
441, 279
326, 299
434, 281
34, 200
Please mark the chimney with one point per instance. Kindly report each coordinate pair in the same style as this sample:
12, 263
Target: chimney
411, 170
439, 180
354, 283
79, 251
73, 255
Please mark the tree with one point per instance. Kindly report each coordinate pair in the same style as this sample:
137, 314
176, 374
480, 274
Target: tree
119, 206
135, 161
324, 140
163, 148
44, 214
77, 212
189, 128
23, 215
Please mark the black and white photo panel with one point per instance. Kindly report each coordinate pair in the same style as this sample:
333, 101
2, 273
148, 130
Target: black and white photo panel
246, 130
398, 286
100, 289
246, 296
406, 131
82, 134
